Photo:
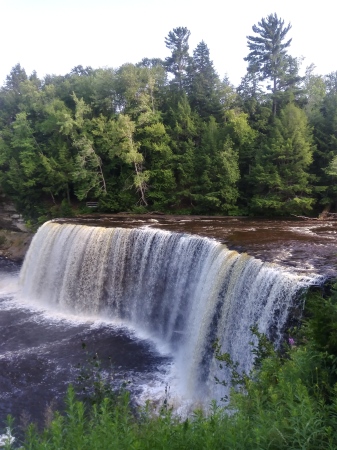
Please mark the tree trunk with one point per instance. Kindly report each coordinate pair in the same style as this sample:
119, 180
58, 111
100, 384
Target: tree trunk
68, 194
274, 98
142, 186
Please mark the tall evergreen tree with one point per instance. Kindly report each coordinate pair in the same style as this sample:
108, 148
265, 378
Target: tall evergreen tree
16, 76
216, 173
315, 91
280, 176
323, 117
183, 130
177, 63
22, 172
250, 92
204, 84
243, 138
268, 55
103, 98
10, 95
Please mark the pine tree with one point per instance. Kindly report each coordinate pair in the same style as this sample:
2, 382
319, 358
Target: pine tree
22, 172
250, 93
216, 173
315, 91
323, 117
183, 127
244, 141
268, 56
177, 63
204, 87
280, 176
10, 95
15, 78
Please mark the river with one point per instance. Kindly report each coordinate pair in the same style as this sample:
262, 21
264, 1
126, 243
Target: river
41, 349
305, 245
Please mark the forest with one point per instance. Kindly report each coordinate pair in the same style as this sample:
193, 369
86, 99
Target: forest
170, 136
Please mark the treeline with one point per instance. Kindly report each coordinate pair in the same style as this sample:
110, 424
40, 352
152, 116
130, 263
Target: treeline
170, 135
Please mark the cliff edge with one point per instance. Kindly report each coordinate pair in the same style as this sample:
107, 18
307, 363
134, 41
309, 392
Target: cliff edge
14, 236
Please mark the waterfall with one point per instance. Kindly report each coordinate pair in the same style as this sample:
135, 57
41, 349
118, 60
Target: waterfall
181, 290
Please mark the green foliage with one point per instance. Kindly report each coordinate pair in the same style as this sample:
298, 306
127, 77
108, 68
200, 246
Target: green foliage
281, 403
88, 175
171, 136
315, 90
177, 42
216, 166
204, 87
324, 119
268, 57
320, 336
280, 176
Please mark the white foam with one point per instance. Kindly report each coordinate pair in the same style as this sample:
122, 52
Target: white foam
179, 291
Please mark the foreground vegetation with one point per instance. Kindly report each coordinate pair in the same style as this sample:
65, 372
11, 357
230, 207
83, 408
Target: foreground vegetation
172, 136
289, 401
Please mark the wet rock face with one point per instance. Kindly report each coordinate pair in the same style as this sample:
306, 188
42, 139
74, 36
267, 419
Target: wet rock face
14, 244
10, 219
14, 235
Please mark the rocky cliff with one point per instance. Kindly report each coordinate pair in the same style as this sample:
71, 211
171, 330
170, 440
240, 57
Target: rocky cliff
14, 235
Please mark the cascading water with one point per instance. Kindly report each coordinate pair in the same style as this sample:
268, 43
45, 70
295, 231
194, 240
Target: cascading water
183, 291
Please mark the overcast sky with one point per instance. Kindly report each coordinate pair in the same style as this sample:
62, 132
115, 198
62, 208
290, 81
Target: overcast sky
53, 36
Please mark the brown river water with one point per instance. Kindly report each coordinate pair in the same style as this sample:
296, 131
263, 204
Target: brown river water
308, 246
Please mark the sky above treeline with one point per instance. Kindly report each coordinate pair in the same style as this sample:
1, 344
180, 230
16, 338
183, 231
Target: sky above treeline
53, 36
